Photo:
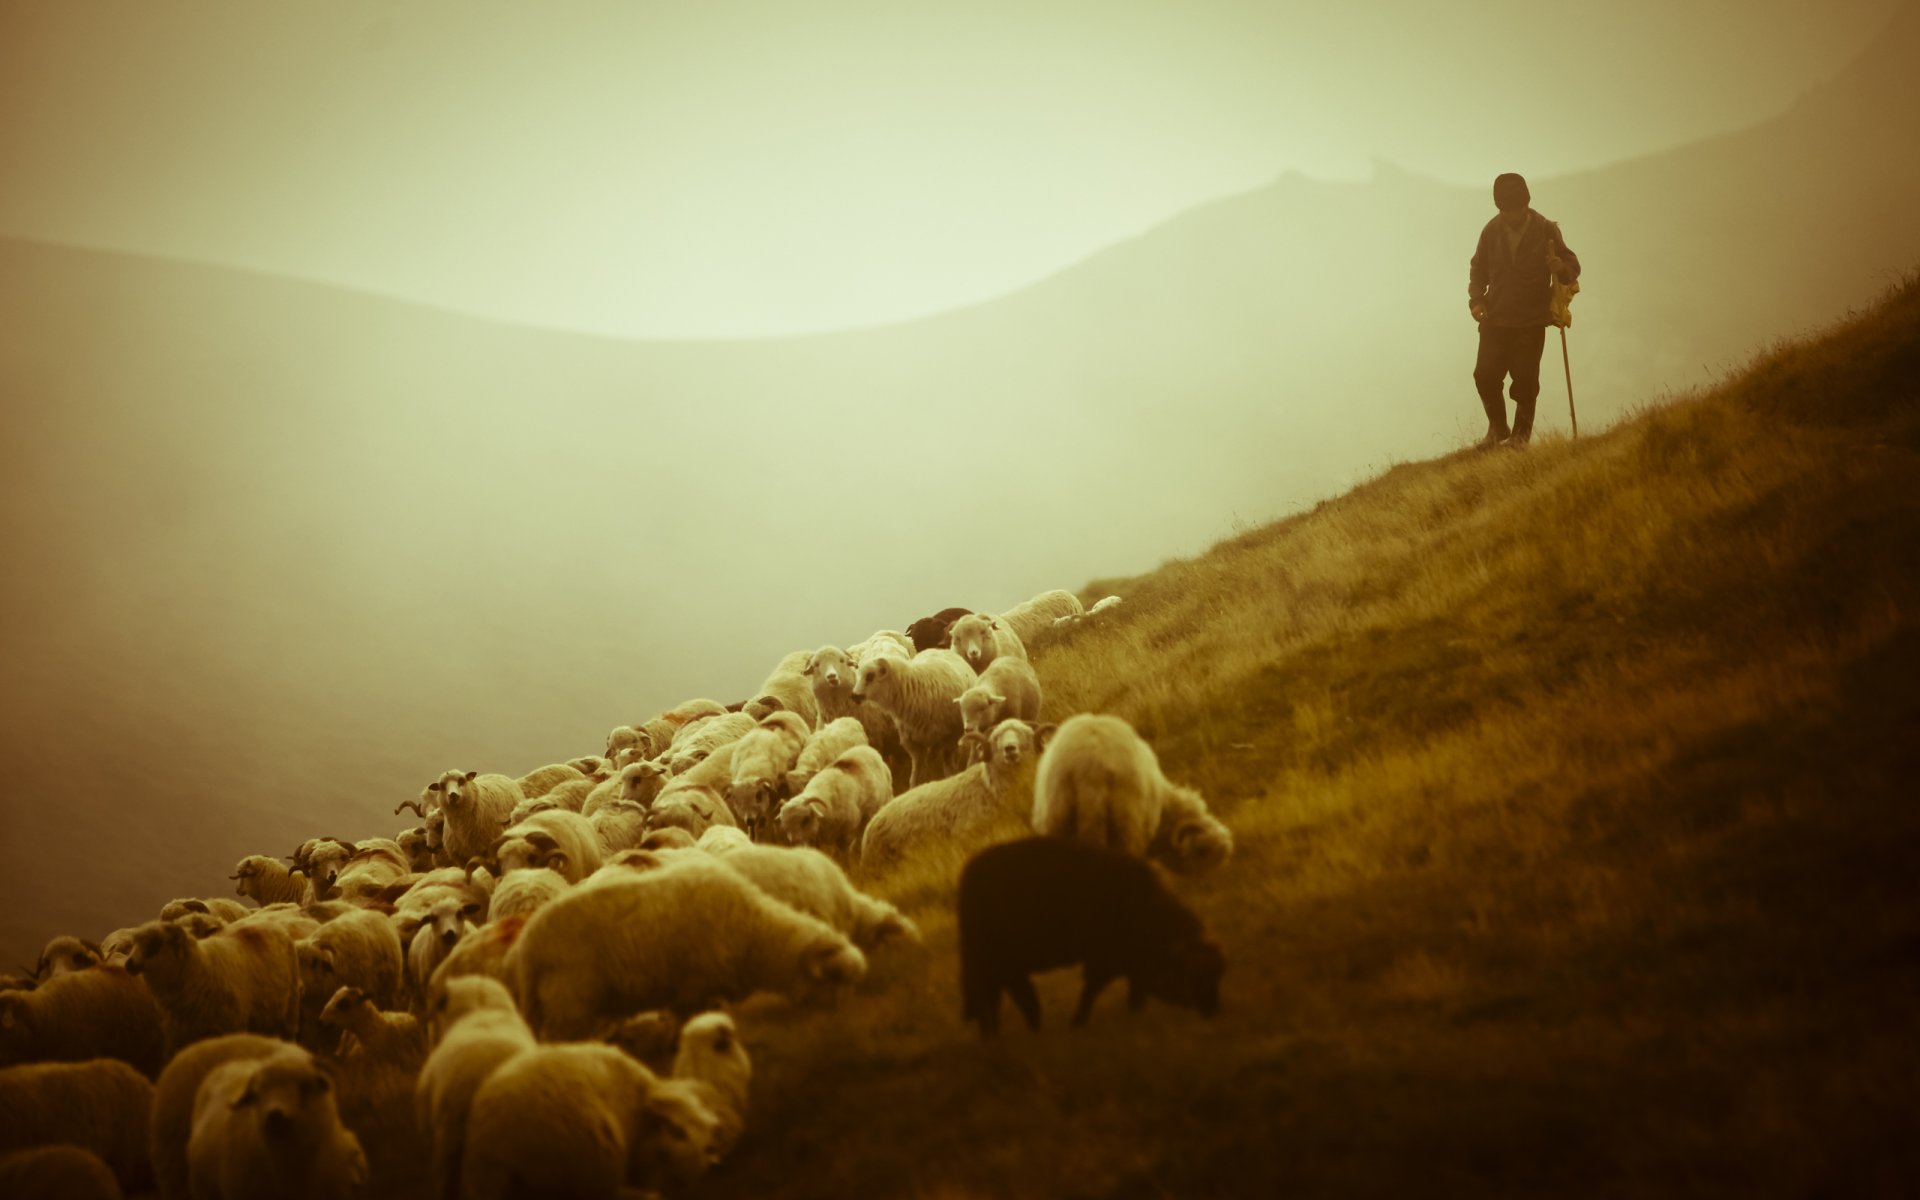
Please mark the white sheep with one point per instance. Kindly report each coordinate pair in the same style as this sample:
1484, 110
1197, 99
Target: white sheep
702, 738
362, 949
619, 825
658, 733
373, 865
268, 880
432, 935
694, 809
246, 978
474, 1028
477, 807
828, 742
580, 1120
520, 893
832, 811
809, 881
1101, 782
713, 1061
1031, 619
413, 843
786, 689
571, 795
953, 809
557, 840
64, 955
721, 838
481, 951
761, 760
269, 1128
101, 1012
218, 906
676, 937
882, 642
1007, 688
1102, 606
919, 694
102, 1106
980, 638
174, 1094
637, 782
395, 1037
538, 782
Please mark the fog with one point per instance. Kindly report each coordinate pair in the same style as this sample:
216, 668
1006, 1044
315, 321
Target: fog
280, 552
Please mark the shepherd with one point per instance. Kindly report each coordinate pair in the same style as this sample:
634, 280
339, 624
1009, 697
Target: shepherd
1520, 257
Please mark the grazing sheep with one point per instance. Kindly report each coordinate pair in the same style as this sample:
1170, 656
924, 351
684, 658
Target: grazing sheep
395, 1037
702, 738
1007, 688
63, 955
244, 979
59, 1172
1044, 902
832, 811
677, 937
809, 881
538, 782
268, 880
557, 840
919, 695
1071, 619
981, 638
694, 809
1100, 782
828, 742
1190, 838
477, 807
619, 825
101, 1012
713, 1061
361, 949
934, 632
269, 1128
580, 1120
1033, 619
474, 1029
173, 1102
958, 808
102, 1106
761, 761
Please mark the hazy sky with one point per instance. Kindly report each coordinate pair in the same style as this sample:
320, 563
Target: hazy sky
759, 166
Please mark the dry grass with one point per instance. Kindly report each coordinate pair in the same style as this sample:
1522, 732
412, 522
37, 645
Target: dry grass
1577, 842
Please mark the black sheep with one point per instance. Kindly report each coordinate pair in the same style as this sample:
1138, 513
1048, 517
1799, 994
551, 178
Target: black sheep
1047, 902
931, 632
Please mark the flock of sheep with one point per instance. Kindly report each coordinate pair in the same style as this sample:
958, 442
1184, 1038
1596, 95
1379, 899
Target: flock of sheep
544, 962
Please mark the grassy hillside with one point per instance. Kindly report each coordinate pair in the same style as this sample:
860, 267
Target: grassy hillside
1577, 845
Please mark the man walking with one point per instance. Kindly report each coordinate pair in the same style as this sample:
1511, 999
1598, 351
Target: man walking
1508, 289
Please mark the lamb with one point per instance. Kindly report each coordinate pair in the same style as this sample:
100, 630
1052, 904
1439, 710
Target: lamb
558, 840
476, 807
395, 1037
361, 949
580, 1120
64, 955
268, 880
619, 825
540, 781
58, 1172
761, 761
1044, 902
953, 809
474, 1029
269, 1128
933, 633
677, 938
1033, 619
1007, 688
101, 1012
713, 1062
981, 638
810, 882
828, 742
102, 1106
246, 978
702, 738
1100, 782
835, 806
919, 695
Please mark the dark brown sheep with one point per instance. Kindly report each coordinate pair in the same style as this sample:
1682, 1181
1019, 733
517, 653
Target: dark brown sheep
1043, 902
930, 633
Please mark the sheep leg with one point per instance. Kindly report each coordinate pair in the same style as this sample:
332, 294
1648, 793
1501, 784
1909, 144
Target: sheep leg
1020, 987
1094, 980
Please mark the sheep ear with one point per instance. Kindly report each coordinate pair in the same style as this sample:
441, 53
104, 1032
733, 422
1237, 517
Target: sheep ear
246, 1097
436, 785
470, 776
996, 699
557, 861
1044, 734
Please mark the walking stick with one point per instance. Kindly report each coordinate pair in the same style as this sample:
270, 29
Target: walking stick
1565, 362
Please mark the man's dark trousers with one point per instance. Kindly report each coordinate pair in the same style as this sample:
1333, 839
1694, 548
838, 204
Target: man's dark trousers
1510, 350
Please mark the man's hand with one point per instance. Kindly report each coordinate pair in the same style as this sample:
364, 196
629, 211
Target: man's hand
1478, 310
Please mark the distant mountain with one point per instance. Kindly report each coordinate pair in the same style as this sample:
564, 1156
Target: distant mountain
278, 552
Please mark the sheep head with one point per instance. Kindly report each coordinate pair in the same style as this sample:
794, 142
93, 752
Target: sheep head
158, 944
342, 1004
284, 1091
872, 673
